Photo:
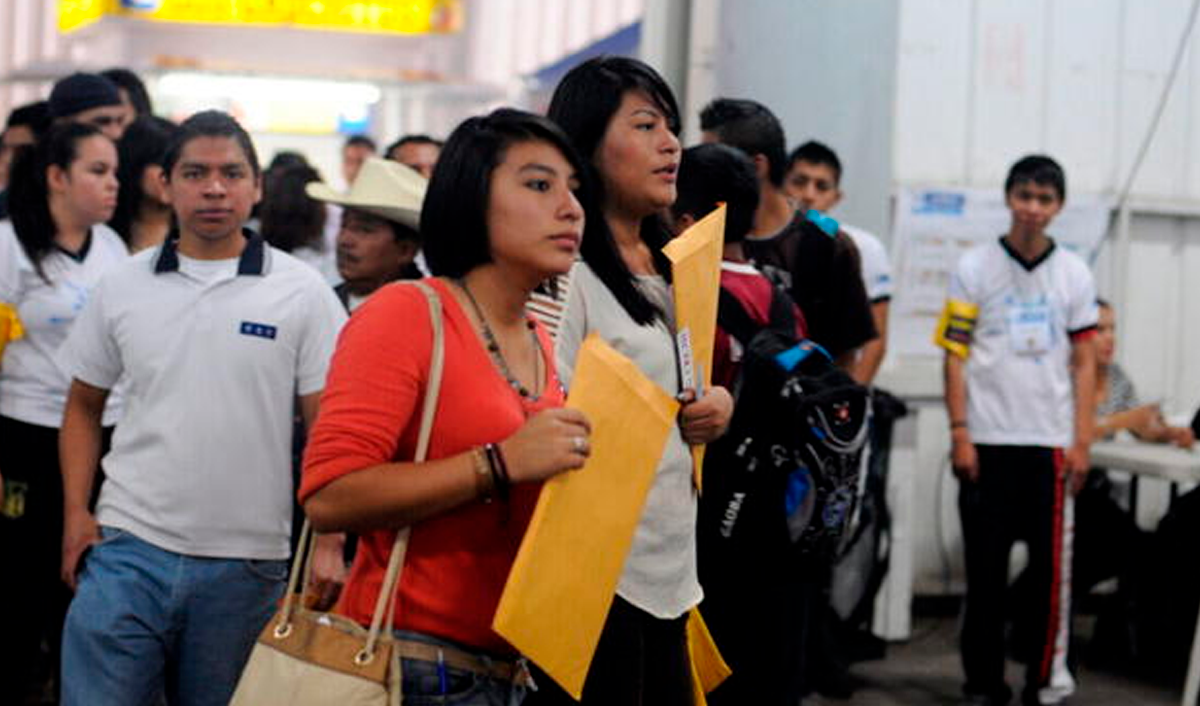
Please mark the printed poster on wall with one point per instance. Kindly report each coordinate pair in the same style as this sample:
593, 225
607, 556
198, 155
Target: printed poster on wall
934, 227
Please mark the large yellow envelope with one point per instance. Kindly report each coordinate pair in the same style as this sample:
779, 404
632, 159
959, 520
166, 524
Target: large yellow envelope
696, 273
566, 572
708, 667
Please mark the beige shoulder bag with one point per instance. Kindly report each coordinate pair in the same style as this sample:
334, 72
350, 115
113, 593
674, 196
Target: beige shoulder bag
307, 658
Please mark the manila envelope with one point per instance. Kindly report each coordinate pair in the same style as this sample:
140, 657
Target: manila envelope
566, 572
696, 269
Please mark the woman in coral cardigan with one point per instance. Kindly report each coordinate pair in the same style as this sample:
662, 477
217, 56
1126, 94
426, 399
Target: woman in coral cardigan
500, 217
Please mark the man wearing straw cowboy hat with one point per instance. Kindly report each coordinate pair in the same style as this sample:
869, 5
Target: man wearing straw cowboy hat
379, 240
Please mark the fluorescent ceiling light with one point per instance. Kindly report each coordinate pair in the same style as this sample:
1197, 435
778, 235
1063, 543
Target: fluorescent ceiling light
200, 85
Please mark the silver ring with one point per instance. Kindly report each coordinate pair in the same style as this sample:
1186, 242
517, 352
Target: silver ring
580, 444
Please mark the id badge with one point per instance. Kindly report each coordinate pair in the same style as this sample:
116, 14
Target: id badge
1029, 329
13, 506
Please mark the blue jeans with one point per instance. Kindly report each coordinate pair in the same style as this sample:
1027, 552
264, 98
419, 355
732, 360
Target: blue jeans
146, 622
423, 686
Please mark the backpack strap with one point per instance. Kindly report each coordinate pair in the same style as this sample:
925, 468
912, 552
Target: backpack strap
782, 320
733, 319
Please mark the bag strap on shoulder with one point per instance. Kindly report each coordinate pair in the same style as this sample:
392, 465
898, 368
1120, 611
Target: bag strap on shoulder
385, 605
733, 318
782, 318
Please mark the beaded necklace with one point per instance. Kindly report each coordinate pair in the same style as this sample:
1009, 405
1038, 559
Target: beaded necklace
493, 347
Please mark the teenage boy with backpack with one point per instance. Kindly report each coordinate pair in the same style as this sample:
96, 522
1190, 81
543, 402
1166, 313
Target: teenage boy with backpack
746, 577
1019, 365
821, 269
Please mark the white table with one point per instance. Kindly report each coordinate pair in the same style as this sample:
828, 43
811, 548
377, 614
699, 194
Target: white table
1168, 463
1164, 461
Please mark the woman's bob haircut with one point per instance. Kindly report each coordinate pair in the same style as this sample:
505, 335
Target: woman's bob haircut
454, 215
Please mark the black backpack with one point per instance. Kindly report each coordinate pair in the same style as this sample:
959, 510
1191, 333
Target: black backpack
788, 472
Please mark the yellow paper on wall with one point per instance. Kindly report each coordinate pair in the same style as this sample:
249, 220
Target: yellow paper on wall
565, 575
696, 278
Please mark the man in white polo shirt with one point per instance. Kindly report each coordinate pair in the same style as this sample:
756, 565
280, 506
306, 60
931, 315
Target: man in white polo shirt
1020, 316
215, 334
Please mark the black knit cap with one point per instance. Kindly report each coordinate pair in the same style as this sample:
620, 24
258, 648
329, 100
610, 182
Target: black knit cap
79, 92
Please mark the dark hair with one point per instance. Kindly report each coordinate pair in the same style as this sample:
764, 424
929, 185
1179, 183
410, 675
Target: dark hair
35, 116
1104, 303
752, 128
29, 191
583, 104
454, 214
128, 80
400, 231
711, 174
412, 140
143, 145
289, 217
1040, 170
359, 141
72, 95
209, 123
815, 152
286, 158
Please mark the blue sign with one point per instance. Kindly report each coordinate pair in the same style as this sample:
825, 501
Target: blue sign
948, 203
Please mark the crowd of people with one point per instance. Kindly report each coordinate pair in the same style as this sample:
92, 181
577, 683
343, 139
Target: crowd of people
179, 368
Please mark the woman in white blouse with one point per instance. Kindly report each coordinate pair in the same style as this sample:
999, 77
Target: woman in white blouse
622, 116
53, 251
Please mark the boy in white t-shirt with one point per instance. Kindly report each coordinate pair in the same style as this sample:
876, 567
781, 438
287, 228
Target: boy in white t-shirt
814, 178
1017, 330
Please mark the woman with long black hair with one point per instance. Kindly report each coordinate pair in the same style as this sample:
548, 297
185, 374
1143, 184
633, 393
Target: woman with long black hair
53, 251
143, 217
623, 118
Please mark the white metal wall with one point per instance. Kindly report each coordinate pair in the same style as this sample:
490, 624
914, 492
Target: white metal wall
981, 82
27, 35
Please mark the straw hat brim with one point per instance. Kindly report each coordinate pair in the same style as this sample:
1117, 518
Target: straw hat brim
408, 216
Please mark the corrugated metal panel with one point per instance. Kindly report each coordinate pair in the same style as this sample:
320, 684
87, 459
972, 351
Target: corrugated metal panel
522, 36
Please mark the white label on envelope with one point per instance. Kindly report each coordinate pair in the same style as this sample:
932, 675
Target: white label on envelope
687, 366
